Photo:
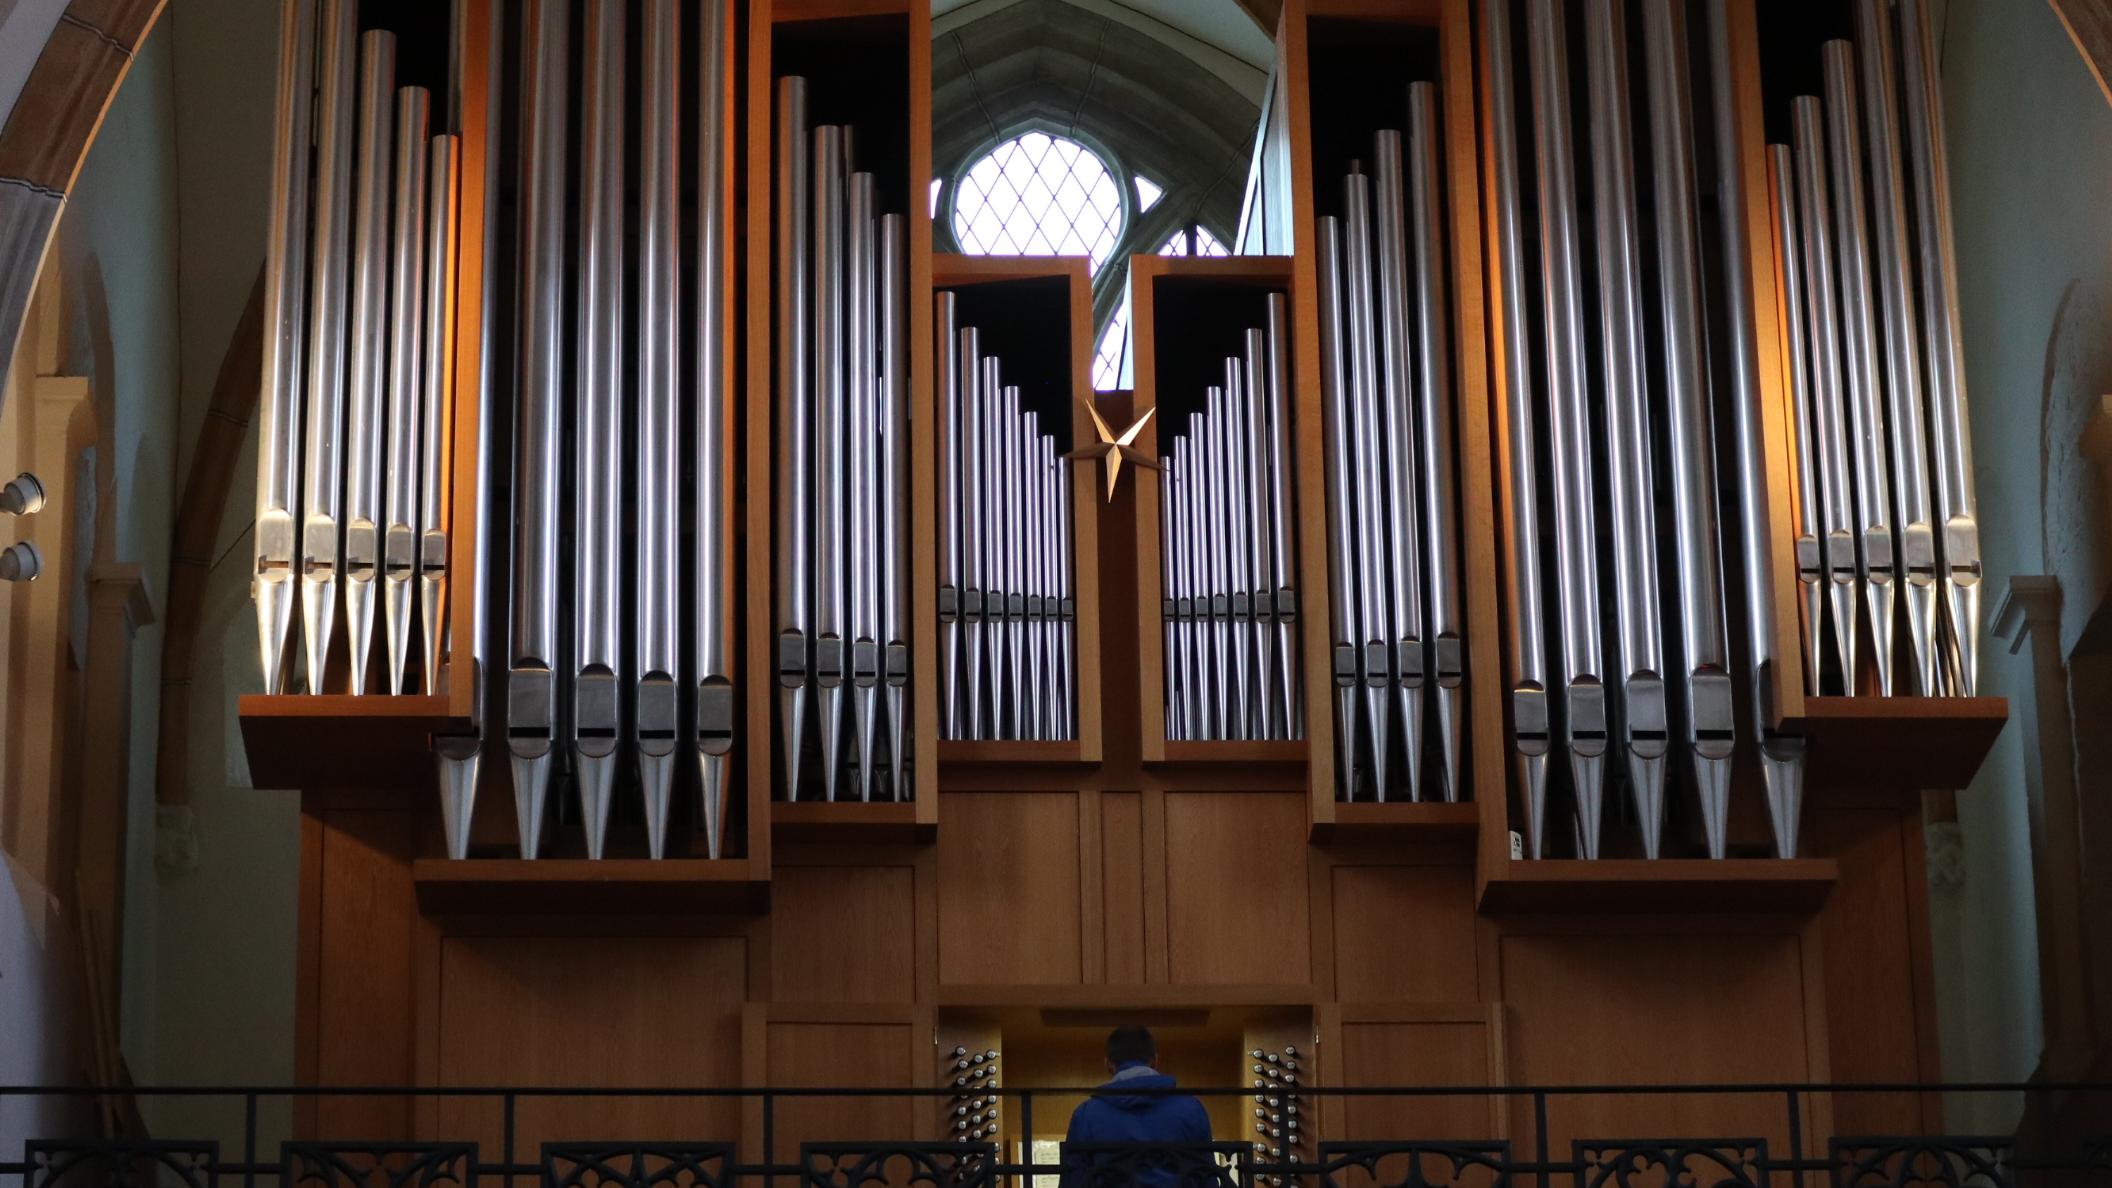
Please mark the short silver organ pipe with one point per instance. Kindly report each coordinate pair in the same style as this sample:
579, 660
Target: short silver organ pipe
367, 393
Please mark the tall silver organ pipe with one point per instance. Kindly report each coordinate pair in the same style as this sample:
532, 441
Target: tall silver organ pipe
659, 447
436, 410
895, 632
1373, 609
795, 430
949, 373
1789, 274
1902, 343
598, 478
831, 595
1704, 646
973, 485
1873, 455
1956, 510
1568, 420
1644, 719
406, 375
1397, 426
460, 755
993, 516
1446, 635
1066, 604
1283, 487
322, 494
1781, 755
367, 394
1829, 411
1343, 609
285, 337
713, 435
1531, 723
532, 694
863, 566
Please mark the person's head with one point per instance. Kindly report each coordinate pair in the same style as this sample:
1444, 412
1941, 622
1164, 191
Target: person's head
1131, 1045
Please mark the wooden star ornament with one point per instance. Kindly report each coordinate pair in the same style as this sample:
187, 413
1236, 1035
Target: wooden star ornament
1114, 450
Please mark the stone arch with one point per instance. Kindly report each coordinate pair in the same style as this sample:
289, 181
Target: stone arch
47, 134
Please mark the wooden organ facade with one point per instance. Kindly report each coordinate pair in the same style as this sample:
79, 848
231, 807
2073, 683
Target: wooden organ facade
1031, 894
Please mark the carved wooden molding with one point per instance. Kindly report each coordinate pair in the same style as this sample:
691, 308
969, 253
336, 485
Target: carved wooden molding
2089, 25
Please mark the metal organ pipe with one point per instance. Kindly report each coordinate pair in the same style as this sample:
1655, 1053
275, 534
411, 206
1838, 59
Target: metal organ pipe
1902, 342
1373, 609
947, 361
1781, 756
437, 407
1829, 412
1704, 650
1447, 628
895, 534
1396, 426
713, 435
973, 483
406, 380
831, 595
1290, 675
862, 572
1956, 508
659, 394
1645, 722
1341, 545
1531, 726
1811, 572
1568, 420
795, 429
367, 393
279, 470
322, 494
532, 694
1873, 463
598, 479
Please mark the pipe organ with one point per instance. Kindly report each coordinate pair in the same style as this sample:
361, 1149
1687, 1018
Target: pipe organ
1676, 337
1487, 490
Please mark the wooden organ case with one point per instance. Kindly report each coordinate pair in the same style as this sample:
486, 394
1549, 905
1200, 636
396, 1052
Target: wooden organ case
1020, 896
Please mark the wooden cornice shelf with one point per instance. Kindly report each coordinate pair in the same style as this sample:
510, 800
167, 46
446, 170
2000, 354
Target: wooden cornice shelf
1075, 997
847, 820
519, 887
334, 740
1436, 820
1912, 743
1011, 751
792, 11
1286, 751
1666, 886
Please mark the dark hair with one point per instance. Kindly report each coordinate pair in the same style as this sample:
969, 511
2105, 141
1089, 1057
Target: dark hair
1131, 1045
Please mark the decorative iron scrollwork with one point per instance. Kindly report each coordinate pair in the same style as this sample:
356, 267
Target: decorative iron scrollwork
896, 1165
1957, 1161
1161, 1165
1416, 1164
377, 1165
120, 1163
1683, 1163
638, 1165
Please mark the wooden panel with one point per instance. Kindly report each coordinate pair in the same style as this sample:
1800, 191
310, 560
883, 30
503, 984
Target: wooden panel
1404, 934
843, 934
363, 978
1122, 859
1670, 1007
847, 1055
1235, 887
1009, 906
1869, 964
1402, 1052
645, 1011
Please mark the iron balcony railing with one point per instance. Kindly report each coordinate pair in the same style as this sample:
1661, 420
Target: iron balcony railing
1536, 1137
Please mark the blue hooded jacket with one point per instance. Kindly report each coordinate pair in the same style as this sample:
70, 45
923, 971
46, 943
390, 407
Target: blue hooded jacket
1155, 1118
